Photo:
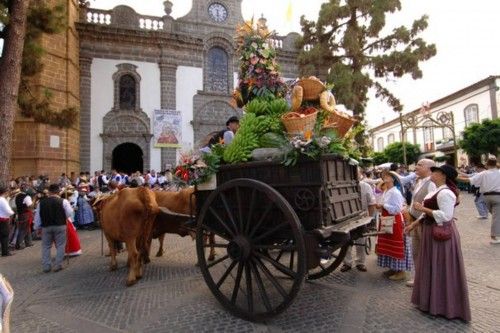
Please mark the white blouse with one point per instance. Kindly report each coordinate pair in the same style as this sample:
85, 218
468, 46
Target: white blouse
446, 200
5, 210
393, 201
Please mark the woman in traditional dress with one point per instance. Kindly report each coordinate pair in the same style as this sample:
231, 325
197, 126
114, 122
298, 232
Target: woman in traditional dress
393, 250
84, 213
440, 284
73, 247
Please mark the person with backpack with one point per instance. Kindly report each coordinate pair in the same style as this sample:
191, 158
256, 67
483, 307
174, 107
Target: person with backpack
226, 135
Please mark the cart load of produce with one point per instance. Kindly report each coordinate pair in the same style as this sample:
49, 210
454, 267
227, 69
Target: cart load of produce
280, 122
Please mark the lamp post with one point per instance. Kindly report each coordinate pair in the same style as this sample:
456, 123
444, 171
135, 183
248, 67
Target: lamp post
420, 120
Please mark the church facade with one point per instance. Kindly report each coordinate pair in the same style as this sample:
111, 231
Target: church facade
130, 65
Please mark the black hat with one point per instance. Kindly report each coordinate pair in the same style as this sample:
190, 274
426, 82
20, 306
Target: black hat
54, 188
233, 119
449, 171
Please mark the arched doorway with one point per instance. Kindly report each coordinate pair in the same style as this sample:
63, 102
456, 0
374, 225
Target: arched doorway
127, 157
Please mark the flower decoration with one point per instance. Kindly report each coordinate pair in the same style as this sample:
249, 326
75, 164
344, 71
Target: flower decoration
259, 72
195, 168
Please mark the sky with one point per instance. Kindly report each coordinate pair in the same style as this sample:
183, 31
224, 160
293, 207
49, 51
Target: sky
466, 34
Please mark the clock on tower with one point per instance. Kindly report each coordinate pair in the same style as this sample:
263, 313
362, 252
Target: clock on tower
217, 12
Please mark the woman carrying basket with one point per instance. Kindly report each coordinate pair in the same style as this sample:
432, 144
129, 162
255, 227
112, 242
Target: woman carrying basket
393, 248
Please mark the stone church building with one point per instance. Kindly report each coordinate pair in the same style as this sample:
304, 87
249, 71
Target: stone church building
118, 66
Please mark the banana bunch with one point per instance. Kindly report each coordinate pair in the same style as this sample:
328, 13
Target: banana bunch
257, 106
277, 107
252, 127
245, 140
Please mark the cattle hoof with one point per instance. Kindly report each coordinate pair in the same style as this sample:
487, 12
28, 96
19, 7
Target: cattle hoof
147, 260
131, 282
113, 267
138, 277
159, 254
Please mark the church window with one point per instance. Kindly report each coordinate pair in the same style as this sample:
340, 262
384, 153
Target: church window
127, 92
390, 138
217, 70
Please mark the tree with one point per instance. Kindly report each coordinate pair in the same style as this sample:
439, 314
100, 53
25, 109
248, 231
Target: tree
13, 17
379, 158
482, 138
394, 152
345, 46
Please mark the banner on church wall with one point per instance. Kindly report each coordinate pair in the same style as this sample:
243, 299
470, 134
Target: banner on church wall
167, 129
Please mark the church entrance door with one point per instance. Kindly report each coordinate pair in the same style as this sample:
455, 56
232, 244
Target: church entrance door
127, 157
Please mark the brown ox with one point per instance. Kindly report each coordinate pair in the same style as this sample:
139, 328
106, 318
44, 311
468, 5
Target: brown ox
180, 204
128, 216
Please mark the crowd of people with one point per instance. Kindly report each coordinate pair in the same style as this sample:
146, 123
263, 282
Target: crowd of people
423, 245
422, 248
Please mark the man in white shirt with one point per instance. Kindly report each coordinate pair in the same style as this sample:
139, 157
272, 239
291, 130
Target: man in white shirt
51, 217
5, 213
368, 204
421, 186
489, 185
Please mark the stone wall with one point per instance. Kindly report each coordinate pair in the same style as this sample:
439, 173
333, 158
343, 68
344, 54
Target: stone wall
32, 153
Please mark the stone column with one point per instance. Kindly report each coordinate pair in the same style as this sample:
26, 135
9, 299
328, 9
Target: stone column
168, 89
85, 98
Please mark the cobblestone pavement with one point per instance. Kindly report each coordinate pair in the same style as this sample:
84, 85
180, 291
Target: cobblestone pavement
173, 297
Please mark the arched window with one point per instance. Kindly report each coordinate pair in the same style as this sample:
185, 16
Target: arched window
217, 70
380, 144
390, 138
127, 91
471, 114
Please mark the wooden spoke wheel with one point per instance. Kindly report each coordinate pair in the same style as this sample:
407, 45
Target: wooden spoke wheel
262, 266
329, 263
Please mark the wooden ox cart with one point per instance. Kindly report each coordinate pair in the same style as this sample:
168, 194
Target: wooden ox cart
276, 226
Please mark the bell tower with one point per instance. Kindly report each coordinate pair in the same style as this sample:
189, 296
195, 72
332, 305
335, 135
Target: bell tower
216, 13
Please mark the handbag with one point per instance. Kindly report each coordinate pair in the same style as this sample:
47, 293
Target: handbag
441, 233
387, 224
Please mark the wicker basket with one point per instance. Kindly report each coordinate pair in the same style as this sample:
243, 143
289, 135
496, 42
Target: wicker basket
312, 88
296, 125
340, 122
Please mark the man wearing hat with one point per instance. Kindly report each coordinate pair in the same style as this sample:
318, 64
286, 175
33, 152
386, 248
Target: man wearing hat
51, 217
5, 213
226, 135
488, 182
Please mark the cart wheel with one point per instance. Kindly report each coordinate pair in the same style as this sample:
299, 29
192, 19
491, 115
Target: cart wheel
264, 265
327, 266
368, 246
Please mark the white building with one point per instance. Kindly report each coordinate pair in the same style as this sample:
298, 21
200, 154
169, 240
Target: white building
471, 104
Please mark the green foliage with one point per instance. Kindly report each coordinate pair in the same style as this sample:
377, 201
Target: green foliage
347, 42
394, 152
482, 138
379, 158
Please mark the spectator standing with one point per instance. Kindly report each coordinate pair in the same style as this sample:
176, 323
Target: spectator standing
24, 204
489, 185
440, 284
5, 213
420, 187
367, 204
481, 206
393, 250
51, 218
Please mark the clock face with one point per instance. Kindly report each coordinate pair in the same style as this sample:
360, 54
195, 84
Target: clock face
217, 12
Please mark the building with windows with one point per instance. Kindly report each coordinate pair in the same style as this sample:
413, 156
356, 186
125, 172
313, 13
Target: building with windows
471, 104
118, 66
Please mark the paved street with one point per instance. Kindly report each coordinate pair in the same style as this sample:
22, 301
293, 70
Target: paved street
173, 297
